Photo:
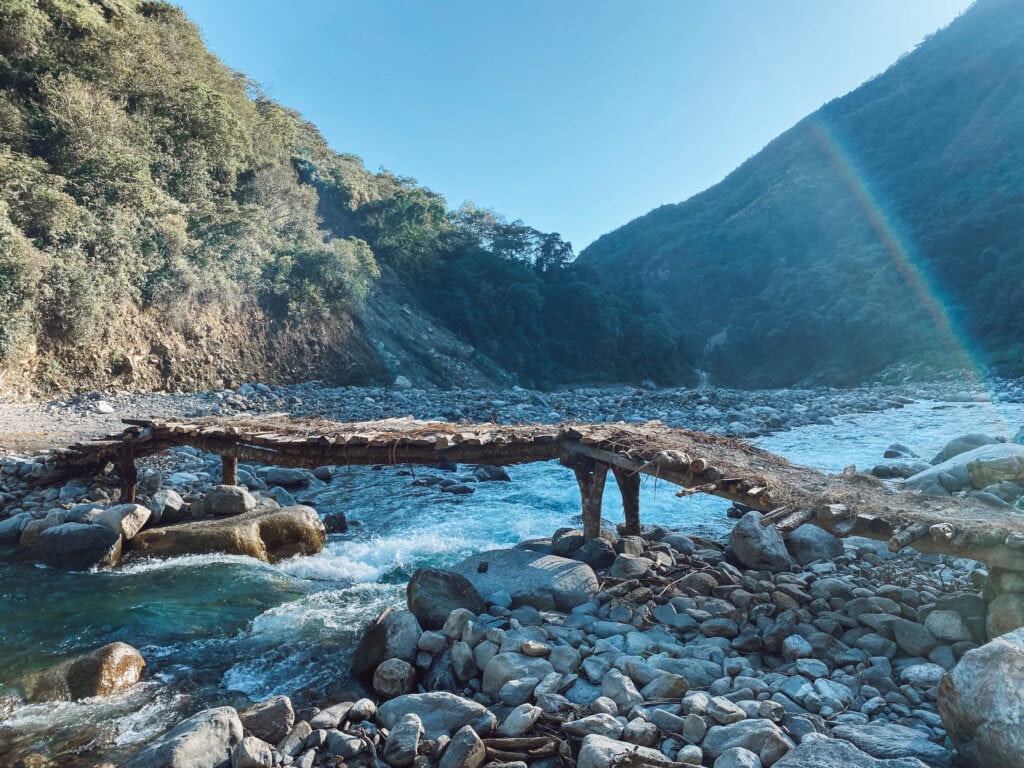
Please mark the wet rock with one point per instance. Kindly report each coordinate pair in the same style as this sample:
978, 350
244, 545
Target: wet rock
268, 532
597, 553
961, 445
440, 712
393, 634
757, 546
107, 670
980, 703
336, 522
543, 581
11, 528
76, 547
817, 751
205, 740
270, 720
227, 500
433, 593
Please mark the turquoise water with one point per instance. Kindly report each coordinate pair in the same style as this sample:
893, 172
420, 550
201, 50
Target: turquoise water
220, 629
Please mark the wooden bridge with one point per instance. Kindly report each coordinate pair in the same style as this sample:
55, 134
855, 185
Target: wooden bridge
787, 494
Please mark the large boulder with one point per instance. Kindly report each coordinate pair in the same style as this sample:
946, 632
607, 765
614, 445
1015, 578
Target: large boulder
962, 444
269, 720
125, 519
76, 546
227, 500
543, 581
440, 712
757, 546
167, 507
433, 593
981, 702
507, 667
886, 740
976, 468
268, 533
601, 752
393, 634
106, 670
809, 543
817, 751
1005, 614
204, 740
12, 527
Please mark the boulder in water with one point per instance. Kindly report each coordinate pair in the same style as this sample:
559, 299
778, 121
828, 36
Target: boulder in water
268, 533
269, 720
434, 593
226, 500
76, 546
125, 519
106, 670
976, 468
394, 634
546, 582
962, 444
204, 740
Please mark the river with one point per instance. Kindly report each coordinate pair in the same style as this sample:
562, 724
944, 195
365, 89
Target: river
220, 629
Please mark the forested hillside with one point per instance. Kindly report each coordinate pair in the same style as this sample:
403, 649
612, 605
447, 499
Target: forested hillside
852, 240
163, 223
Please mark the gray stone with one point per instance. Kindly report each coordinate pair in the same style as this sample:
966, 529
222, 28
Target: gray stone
757, 546
440, 712
228, 500
1005, 614
629, 567
394, 677
885, 740
520, 720
796, 647
125, 519
543, 581
602, 723
465, 750
981, 705
252, 752
270, 720
12, 527
665, 686
167, 506
76, 546
393, 634
403, 740
505, 667
620, 689
286, 477
293, 743
809, 543
601, 752
738, 757
748, 734
818, 751
913, 639
204, 740
947, 625
433, 593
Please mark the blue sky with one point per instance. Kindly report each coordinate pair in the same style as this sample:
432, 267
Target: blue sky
572, 116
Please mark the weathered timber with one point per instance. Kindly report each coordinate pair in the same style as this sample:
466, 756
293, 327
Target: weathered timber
229, 470
846, 504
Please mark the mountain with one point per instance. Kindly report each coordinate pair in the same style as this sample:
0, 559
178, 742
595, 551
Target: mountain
165, 224
887, 227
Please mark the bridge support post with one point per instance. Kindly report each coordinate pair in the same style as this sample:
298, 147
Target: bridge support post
129, 474
591, 476
629, 487
229, 470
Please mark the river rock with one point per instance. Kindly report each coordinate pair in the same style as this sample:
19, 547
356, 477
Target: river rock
441, 713
546, 582
102, 672
962, 444
433, 593
268, 532
975, 468
981, 705
887, 740
167, 507
12, 527
947, 625
269, 720
913, 639
465, 750
738, 757
748, 734
809, 543
228, 500
76, 547
404, 740
252, 752
394, 677
125, 519
393, 634
818, 751
506, 667
286, 477
757, 546
1005, 614
601, 752
204, 740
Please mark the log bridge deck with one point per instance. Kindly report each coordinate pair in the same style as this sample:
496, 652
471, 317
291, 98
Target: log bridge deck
788, 495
